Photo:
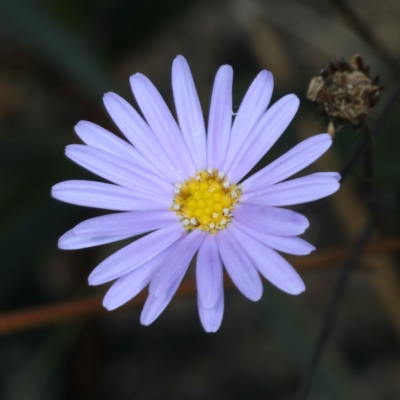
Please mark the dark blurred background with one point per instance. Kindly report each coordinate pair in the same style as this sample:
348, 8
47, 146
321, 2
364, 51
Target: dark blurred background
57, 58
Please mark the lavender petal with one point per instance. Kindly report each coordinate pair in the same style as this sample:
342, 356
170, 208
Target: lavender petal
99, 138
238, 264
209, 273
334, 175
178, 262
189, 112
270, 220
299, 157
106, 196
119, 171
296, 191
162, 123
140, 135
128, 223
130, 285
263, 136
135, 254
211, 318
220, 118
253, 106
71, 241
287, 244
270, 264
154, 306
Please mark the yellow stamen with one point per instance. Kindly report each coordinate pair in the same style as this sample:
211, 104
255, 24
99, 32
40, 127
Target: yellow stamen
206, 201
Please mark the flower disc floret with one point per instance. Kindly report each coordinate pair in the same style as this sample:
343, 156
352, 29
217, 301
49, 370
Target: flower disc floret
205, 201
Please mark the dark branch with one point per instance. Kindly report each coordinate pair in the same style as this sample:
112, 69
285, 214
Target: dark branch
330, 313
376, 130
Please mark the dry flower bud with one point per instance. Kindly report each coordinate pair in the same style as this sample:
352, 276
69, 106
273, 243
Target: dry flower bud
345, 93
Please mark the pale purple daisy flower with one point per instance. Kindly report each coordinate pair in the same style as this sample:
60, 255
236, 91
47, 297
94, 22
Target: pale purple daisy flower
184, 187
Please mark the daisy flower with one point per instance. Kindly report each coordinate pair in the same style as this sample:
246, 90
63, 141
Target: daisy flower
186, 189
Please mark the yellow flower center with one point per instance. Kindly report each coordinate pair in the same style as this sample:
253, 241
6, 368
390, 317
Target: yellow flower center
206, 201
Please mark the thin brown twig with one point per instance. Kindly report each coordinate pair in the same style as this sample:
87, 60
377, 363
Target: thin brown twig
16, 321
329, 257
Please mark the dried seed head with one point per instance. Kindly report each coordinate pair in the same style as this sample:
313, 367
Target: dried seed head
345, 93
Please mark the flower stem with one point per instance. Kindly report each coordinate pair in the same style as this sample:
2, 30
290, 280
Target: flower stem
368, 173
344, 273
330, 312
375, 131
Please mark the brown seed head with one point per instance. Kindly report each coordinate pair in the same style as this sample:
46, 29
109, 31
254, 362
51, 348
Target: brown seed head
345, 93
